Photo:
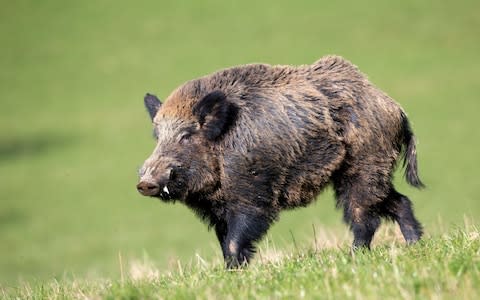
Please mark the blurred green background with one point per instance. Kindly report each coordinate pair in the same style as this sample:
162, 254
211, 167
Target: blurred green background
73, 129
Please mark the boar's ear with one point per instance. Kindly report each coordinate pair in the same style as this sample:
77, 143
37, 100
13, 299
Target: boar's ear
215, 114
152, 104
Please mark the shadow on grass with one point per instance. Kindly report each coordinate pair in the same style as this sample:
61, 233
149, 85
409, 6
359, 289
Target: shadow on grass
10, 217
22, 146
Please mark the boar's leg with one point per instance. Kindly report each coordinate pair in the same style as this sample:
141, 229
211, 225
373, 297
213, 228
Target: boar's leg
358, 202
237, 235
221, 232
363, 224
399, 208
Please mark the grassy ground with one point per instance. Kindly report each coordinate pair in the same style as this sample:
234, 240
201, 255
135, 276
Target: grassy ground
73, 129
441, 267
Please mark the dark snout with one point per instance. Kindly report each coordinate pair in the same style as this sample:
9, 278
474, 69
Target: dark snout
168, 185
148, 188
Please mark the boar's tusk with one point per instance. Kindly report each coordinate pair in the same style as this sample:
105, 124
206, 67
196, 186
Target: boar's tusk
165, 189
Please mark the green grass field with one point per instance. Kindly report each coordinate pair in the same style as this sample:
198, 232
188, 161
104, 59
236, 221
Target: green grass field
444, 267
73, 131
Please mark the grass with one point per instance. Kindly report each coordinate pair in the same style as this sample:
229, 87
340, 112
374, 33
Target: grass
73, 129
440, 267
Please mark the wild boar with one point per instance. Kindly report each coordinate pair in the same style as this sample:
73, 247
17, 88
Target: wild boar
242, 144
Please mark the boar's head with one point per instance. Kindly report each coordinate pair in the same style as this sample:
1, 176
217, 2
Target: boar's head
188, 132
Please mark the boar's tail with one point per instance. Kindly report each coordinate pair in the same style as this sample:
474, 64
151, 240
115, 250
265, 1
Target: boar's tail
410, 155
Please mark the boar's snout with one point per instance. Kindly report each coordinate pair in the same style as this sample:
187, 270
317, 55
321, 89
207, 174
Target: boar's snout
148, 188
158, 185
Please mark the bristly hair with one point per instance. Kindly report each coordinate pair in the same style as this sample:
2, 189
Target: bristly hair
410, 155
222, 112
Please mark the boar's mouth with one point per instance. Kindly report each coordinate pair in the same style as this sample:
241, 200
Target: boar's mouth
166, 190
153, 189
166, 194
148, 187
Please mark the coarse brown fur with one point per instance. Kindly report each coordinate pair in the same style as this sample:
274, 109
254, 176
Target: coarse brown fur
242, 144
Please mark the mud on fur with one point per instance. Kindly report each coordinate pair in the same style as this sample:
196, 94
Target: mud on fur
242, 144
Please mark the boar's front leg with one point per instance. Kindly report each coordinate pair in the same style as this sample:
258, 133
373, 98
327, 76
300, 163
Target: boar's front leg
237, 235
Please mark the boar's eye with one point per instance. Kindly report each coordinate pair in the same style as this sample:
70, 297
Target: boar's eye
185, 138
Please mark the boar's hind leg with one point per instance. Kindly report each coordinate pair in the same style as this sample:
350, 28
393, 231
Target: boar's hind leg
237, 236
363, 223
359, 209
399, 208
